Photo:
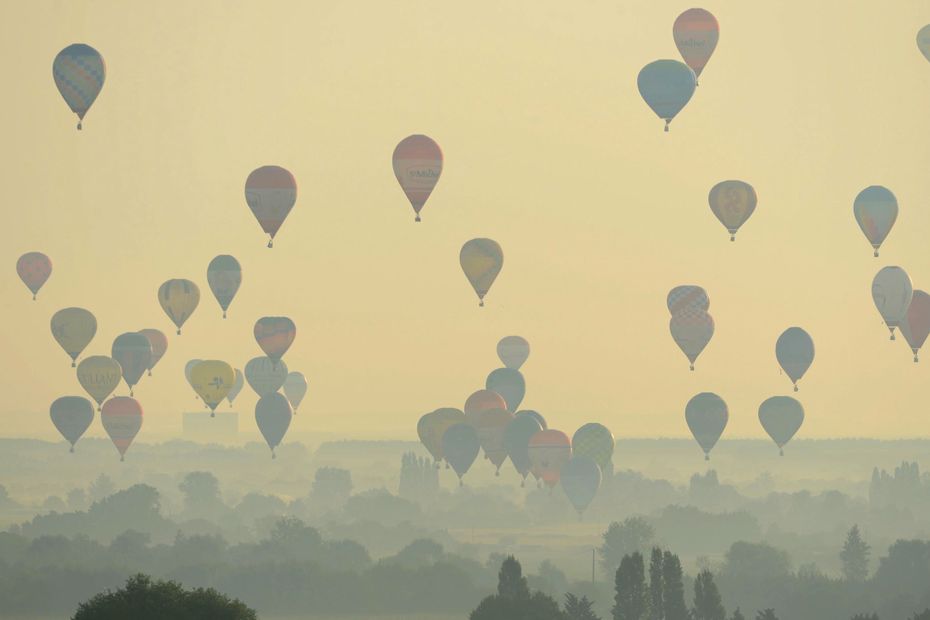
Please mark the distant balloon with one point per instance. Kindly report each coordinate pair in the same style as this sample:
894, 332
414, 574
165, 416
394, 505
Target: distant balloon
274, 335
179, 299
876, 210
923, 41
34, 268
99, 375
696, 33
549, 451
73, 329
481, 260
188, 372
264, 376
580, 478
271, 192
295, 387
460, 446
732, 202
509, 383
122, 419
536, 416
795, 353
596, 442
666, 86
273, 416
892, 293
133, 351
159, 343
236, 388
517, 442
212, 380
79, 73
513, 351
72, 415
691, 331
482, 400
433, 426
706, 415
916, 324
491, 425
417, 165
687, 298
781, 417
224, 275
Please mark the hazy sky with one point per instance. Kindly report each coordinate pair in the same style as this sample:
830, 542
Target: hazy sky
549, 149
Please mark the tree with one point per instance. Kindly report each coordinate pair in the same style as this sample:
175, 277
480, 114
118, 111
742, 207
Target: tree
766, 614
855, 556
755, 562
579, 608
656, 594
865, 617
630, 586
673, 588
143, 599
201, 492
331, 487
101, 487
924, 615
513, 600
707, 602
620, 539
737, 615
510, 580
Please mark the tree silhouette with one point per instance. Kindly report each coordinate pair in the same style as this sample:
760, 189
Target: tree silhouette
865, 617
924, 615
620, 539
656, 593
630, 587
510, 580
766, 614
855, 556
513, 600
579, 608
737, 615
707, 602
673, 588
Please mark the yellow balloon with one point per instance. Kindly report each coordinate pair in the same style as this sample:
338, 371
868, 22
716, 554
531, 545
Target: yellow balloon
212, 380
179, 299
481, 260
99, 375
73, 329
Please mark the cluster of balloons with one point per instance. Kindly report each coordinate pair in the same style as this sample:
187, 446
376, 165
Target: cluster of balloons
902, 307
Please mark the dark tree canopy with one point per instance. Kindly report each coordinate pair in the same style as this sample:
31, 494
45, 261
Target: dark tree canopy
513, 600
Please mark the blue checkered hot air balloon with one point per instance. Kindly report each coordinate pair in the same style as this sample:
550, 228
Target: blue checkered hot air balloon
79, 72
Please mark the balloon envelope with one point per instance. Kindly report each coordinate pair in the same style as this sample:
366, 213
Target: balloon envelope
34, 269
79, 73
179, 299
264, 376
892, 293
781, 417
509, 383
274, 335
73, 329
517, 441
732, 202
549, 450
212, 380
482, 400
295, 388
691, 331
122, 419
224, 275
916, 324
71, 415
596, 442
876, 210
795, 353
687, 298
580, 478
696, 33
460, 447
189, 369
271, 192
706, 415
923, 41
159, 342
666, 86
133, 351
535, 415
513, 351
481, 260
99, 375
417, 165
491, 425
273, 416
238, 382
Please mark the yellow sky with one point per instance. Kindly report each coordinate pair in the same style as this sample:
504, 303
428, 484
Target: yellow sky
549, 149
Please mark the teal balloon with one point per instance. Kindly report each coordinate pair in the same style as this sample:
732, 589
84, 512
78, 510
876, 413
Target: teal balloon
273, 416
509, 383
580, 479
794, 351
517, 441
666, 86
707, 416
781, 417
535, 415
460, 446
79, 73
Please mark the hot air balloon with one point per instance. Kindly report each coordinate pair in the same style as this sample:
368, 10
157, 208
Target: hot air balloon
696, 32
179, 299
549, 451
273, 416
188, 371
212, 380
99, 375
264, 376
876, 210
509, 383
580, 478
482, 400
691, 331
916, 324
666, 86
535, 415
491, 425
923, 41
73, 329
417, 165
295, 387
795, 353
79, 73
34, 268
706, 415
238, 382
134, 353
122, 419
460, 446
159, 343
517, 442
274, 335
224, 275
687, 298
513, 351
271, 192
781, 417
596, 442
433, 426
892, 293
72, 415
732, 202
481, 260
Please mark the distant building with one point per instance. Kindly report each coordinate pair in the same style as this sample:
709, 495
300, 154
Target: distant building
200, 427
